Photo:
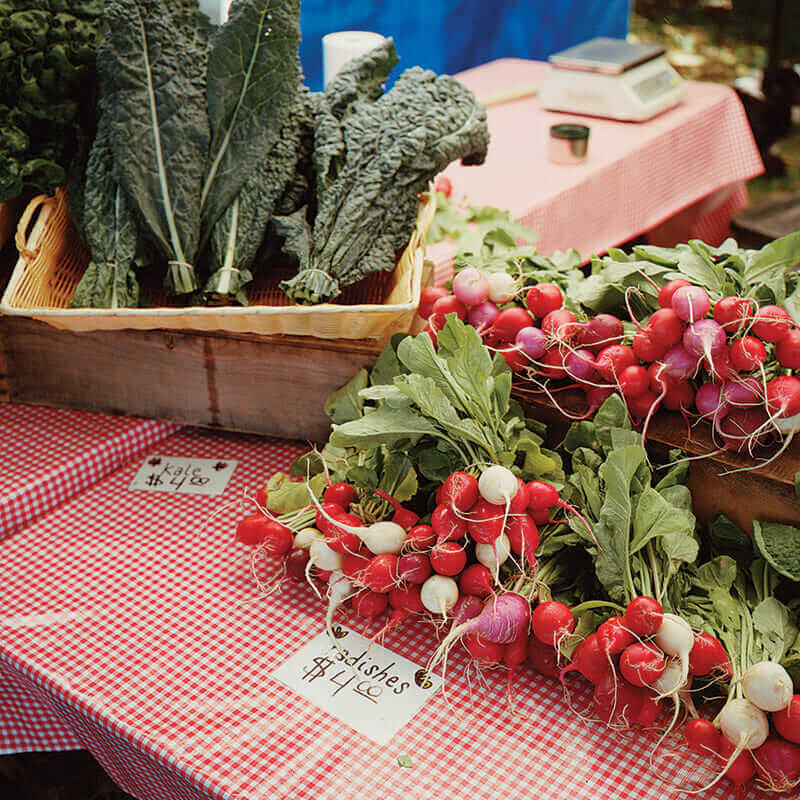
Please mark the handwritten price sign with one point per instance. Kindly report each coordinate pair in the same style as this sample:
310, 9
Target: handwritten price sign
183, 475
374, 691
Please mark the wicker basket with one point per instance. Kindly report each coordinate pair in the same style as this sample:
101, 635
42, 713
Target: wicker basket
53, 259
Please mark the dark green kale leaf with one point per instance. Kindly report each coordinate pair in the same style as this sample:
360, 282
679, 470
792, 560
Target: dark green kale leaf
154, 79
393, 147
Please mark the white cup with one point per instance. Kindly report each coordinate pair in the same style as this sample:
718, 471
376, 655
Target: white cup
342, 46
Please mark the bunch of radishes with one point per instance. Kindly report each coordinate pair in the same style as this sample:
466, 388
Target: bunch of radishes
731, 364
757, 733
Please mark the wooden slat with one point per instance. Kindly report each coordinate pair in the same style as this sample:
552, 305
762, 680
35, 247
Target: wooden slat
274, 385
743, 495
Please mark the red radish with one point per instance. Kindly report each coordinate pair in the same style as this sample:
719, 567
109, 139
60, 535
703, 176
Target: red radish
250, 530
702, 736
613, 360
261, 497
633, 381
659, 380
276, 539
342, 494
747, 353
651, 708
432, 332
666, 327
647, 347
742, 429
509, 322
617, 703
428, 297
787, 720
446, 525
778, 764
552, 364
544, 298
516, 652
644, 615
471, 286
541, 516
679, 364
323, 574
783, 396
406, 598
380, 573
732, 312
353, 564
560, 325
690, 303
504, 618
719, 366
519, 502
413, 568
601, 331
669, 289
369, 604
515, 358
523, 536
485, 521
421, 537
487, 654
476, 580
341, 540
467, 607
642, 664
579, 365
708, 657
787, 351
444, 185
742, 769
448, 558
459, 491
596, 396
772, 323
641, 405
405, 518
296, 562
590, 661
679, 396
543, 657
551, 621
531, 341
541, 496
327, 514
483, 315
709, 402
444, 306
614, 635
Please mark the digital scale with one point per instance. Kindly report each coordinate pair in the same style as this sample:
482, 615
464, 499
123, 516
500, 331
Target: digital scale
612, 78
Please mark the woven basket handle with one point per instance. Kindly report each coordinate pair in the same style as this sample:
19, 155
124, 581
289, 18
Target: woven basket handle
25, 222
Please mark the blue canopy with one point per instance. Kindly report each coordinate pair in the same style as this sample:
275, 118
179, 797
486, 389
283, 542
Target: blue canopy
448, 36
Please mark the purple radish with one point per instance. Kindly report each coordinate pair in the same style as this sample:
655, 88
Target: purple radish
690, 303
531, 341
580, 365
705, 339
483, 315
743, 392
709, 402
679, 364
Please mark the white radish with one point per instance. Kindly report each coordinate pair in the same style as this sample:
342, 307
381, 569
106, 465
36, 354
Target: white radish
306, 537
384, 537
494, 554
339, 589
498, 485
439, 594
676, 638
744, 725
768, 686
502, 287
320, 555
671, 681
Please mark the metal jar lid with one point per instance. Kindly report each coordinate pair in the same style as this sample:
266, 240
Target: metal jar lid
569, 143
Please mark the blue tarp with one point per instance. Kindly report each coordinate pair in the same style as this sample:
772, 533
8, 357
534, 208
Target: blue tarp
448, 37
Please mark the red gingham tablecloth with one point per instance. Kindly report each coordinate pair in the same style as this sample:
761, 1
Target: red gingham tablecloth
130, 627
636, 175
49, 455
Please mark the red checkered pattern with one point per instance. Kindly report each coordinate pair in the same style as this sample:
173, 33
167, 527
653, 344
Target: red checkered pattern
50, 455
130, 626
637, 174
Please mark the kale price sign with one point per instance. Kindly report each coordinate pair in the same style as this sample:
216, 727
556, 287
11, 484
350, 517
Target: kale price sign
367, 687
178, 475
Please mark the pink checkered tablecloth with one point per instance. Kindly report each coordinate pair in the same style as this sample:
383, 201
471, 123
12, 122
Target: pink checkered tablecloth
637, 174
49, 455
130, 627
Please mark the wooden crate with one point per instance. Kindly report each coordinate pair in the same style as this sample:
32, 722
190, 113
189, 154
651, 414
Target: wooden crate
267, 385
743, 496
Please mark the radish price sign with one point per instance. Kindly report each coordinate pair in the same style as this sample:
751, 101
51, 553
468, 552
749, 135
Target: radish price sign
368, 687
176, 475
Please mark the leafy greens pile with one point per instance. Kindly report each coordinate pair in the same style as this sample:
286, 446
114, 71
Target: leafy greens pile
210, 150
46, 64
